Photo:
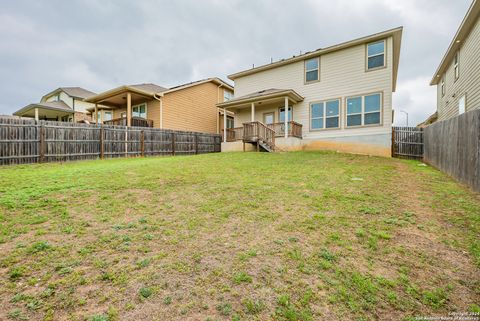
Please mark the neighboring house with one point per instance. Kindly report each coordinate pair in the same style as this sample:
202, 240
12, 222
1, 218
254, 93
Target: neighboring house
62, 104
338, 98
430, 120
190, 107
458, 76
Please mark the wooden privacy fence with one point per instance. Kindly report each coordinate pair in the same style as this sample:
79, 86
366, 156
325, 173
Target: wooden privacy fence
28, 141
453, 146
407, 142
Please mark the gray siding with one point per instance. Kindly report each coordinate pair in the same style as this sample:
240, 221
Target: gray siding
467, 84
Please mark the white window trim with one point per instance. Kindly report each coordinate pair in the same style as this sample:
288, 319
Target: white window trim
227, 93
442, 86
456, 69
280, 112
464, 98
370, 56
139, 106
363, 111
305, 71
325, 114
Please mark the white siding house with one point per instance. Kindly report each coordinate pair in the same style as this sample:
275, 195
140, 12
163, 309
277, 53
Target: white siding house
458, 75
345, 106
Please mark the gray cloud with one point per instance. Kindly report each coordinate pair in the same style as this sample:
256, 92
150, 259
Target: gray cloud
102, 44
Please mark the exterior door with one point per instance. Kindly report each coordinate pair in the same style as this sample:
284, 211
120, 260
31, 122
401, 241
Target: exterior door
268, 118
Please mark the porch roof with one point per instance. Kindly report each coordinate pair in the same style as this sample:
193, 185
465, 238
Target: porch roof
49, 109
262, 95
115, 97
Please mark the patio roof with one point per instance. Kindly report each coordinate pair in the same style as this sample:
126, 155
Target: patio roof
47, 109
262, 95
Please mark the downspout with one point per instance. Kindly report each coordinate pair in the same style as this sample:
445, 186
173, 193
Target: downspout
73, 106
159, 98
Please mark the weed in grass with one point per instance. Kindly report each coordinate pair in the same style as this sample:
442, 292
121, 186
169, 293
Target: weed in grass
17, 314
167, 300
293, 239
253, 306
146, 292
143, 263
99, 317
39, 247
16, 272
325, 254
224, 308
435, 298
242, 277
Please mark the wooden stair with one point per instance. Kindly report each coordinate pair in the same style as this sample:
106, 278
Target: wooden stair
260, 134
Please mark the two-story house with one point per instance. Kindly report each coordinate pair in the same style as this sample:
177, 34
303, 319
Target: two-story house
458, 76
188, 107
337, 98
63, 104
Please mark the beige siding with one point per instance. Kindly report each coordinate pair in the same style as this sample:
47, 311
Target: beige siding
193, 108
467, 84
342, 74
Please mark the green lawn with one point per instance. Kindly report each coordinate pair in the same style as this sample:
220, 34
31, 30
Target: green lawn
239, 236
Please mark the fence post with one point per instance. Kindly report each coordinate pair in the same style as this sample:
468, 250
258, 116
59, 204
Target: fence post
173, 143
102, 147
126, 141
393, 141
142, 143
42, 144
196, 144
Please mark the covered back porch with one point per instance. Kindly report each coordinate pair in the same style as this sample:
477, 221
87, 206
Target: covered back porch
124, 106
263, 116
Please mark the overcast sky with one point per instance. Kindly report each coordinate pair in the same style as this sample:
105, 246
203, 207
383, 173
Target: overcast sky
101, 44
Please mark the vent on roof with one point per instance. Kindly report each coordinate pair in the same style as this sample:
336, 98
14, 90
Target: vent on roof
261, 91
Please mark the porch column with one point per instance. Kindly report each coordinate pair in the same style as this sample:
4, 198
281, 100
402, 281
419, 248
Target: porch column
96, 114
224, 125
253, 112
286, 117
129, 109
36, 113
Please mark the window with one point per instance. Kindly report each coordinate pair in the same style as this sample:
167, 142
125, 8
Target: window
268, 118
139, 111
325, 115
461, 105
230, 122
227, 95
281, 116
364, 110
376, 55
311, 69
455, 66
442, 86
107, 115
99, 116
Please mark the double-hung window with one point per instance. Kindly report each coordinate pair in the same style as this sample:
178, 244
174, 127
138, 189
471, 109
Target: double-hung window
312, 70
324, 115
455, 66
227, 95
376, 55
230, 122
139, 111
364, 110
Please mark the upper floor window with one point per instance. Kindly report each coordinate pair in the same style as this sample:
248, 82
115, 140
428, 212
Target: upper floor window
455, 66
442, 85
376, 55
364, 110
227, 95
281, 115
312, 67
325, 114
139, 111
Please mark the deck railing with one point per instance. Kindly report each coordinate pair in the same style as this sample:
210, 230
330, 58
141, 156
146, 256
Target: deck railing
234, 134
294, 129
136, 122
257, 131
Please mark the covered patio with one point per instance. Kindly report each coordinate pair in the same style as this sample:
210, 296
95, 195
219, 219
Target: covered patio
126, 105
260, 110
55, 110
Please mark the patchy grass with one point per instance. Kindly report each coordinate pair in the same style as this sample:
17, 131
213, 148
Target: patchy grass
240, 236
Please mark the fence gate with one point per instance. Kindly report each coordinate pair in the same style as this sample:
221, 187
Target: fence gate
407, 142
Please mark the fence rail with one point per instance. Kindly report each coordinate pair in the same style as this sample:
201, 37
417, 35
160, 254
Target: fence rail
453, 146
28, 141
407, 142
